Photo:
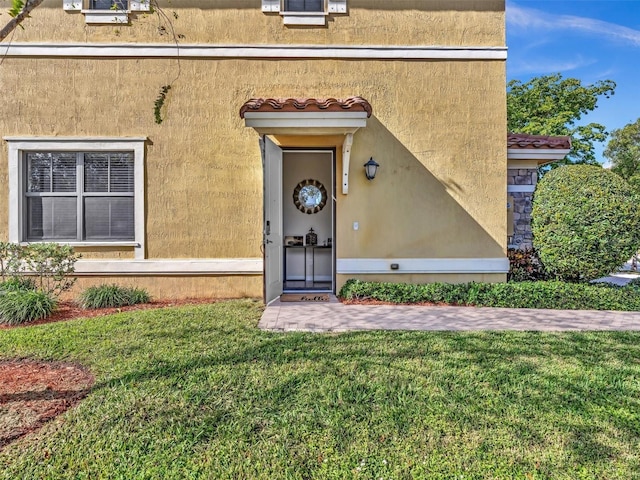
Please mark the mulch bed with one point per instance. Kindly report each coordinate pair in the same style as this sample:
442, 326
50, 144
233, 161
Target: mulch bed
70, 310
33, 393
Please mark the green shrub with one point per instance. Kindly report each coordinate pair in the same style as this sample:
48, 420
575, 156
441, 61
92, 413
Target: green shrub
524, 265
20, 306
584, 222
52, 265
540, 294
633, 284
104, 296
49, 264
14, 284
10, 263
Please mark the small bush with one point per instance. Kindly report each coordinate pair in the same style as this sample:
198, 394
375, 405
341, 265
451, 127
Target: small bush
109, 296
49, 264
540, 294
21, 306
524, 265
52, 264
17, 284
10, 260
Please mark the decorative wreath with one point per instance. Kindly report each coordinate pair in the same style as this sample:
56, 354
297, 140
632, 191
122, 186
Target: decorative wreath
310, 196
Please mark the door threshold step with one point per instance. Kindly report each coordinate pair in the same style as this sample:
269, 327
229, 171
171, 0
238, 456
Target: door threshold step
306, 297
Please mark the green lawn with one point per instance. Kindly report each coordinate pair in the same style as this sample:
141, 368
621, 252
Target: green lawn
199, 392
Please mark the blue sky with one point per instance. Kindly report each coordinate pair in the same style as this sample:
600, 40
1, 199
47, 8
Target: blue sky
586, 39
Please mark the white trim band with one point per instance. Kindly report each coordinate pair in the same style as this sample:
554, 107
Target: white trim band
188, 266
154, 50
521, 188
304, 18
350, 266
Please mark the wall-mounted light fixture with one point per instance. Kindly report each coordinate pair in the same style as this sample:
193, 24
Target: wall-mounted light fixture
370, 169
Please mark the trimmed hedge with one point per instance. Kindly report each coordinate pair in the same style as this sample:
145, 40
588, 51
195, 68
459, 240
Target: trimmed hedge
549, 294
584, 222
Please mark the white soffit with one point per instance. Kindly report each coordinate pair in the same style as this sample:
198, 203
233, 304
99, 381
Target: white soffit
541, 156
305, 123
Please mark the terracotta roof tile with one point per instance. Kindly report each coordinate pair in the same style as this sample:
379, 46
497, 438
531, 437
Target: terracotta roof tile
522, 140
356, 104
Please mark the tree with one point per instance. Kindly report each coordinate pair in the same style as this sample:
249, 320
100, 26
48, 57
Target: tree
20, 9
552, 105
584, 222
624, 152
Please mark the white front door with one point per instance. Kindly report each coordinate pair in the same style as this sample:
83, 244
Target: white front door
272, 220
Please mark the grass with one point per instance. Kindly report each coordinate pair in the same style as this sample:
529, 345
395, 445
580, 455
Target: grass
109, 296
199, 392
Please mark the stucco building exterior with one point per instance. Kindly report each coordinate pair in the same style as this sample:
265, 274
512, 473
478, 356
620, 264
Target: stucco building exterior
267, 97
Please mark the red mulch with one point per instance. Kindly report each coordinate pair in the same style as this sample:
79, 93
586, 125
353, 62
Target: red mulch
70, 310
33, 393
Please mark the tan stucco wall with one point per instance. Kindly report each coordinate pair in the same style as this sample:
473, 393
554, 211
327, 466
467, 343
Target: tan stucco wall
180, 287
438, 129
373, 22
440, 144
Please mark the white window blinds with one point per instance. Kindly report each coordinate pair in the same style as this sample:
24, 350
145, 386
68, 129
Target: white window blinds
80, 196
304, 5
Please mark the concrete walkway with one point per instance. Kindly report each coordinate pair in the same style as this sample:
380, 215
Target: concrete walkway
337, 317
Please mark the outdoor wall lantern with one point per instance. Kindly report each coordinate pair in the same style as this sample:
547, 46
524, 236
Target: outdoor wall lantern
370, 169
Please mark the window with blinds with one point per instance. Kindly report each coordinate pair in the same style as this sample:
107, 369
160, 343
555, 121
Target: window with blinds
108, 4
304, 5
79, 196
304, 12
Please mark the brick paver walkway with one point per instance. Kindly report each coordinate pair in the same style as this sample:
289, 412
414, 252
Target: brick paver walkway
337, 317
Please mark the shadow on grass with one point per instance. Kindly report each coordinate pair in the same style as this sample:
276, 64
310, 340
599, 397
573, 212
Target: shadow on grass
580, 387
207, 379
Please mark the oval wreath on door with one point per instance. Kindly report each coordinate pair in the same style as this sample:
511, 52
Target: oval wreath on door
310, 196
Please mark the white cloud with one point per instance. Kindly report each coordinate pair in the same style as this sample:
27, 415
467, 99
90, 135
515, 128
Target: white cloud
522, 17
542, 65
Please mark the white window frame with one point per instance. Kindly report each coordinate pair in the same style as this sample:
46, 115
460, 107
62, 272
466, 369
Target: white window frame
93, 16
305, 18
18, 146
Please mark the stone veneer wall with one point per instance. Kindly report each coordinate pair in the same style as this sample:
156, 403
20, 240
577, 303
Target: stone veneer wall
522, 207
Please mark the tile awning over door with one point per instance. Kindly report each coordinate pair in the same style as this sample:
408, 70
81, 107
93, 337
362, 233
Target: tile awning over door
306, 116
